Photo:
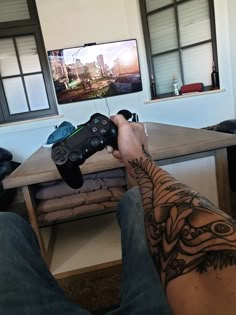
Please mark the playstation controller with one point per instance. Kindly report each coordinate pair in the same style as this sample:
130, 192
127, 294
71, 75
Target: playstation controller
77, 147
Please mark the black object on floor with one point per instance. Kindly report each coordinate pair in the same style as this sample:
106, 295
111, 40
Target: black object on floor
7, 166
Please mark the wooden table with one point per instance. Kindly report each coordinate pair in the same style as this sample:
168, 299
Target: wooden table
196, 157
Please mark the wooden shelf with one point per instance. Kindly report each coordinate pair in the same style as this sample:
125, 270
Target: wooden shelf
84, 244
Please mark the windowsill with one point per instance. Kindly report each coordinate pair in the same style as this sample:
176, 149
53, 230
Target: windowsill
31, 124
173, 98
31, 120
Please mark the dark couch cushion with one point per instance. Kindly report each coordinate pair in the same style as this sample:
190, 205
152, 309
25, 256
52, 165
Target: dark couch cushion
5, 169
5, 155
227, 126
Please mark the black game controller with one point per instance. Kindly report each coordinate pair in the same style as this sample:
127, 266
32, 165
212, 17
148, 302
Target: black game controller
86, 140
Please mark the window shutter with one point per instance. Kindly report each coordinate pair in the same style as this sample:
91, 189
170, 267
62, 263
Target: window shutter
194, 22
197, 64
166, 66
13, 10
156, 4
162, 31
8, 60
28, 54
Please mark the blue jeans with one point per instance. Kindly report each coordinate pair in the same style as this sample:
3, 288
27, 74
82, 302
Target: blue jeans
28, 288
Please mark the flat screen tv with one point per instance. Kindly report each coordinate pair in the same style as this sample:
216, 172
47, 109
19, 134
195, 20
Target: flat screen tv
95, 71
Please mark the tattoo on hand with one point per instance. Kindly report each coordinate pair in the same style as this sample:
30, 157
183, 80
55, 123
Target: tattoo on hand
185, 231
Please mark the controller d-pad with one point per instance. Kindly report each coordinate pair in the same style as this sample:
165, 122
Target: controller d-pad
56, 158
59, 155
62, 158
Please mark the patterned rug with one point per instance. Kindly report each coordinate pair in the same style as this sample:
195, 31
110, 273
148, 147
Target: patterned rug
95, 291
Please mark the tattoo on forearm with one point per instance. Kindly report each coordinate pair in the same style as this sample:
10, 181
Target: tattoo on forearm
185, 231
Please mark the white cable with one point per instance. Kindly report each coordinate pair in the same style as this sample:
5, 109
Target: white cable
145, 129
109, 111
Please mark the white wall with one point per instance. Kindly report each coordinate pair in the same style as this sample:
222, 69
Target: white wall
69, 23
232, 40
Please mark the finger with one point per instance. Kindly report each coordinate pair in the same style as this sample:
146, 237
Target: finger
119, 159
119, 120
116, 154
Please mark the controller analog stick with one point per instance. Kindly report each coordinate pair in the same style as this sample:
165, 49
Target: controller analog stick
95, 142
76, 156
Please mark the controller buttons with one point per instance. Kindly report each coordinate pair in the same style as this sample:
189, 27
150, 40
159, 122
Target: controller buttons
104, 122
95, 129
95, 142
96, 121
103, 131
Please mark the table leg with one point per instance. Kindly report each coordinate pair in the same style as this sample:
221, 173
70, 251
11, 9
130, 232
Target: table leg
222, 179
31, 208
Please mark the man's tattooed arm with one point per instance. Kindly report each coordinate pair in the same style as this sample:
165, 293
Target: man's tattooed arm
185, 231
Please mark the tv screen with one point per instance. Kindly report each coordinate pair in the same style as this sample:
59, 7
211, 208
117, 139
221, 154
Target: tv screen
95, 71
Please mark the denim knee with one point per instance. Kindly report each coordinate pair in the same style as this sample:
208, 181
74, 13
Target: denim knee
11, 218
131, 219
13, 225
130, 206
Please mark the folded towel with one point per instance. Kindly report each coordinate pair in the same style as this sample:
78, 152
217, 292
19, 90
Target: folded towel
76, 212
119, 172
112, 194
61, 189
73, 201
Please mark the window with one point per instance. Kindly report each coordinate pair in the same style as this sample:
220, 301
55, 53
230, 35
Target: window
180, 42
26, 90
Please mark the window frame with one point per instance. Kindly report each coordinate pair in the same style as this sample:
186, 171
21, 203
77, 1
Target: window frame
13, 29
147, 40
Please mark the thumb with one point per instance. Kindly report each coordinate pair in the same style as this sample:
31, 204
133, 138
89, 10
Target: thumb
119, 120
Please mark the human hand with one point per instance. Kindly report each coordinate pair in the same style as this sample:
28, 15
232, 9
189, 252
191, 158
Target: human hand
131, 140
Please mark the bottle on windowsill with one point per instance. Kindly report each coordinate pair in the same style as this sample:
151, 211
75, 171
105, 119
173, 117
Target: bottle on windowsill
153, 88
175, 86
215, 78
